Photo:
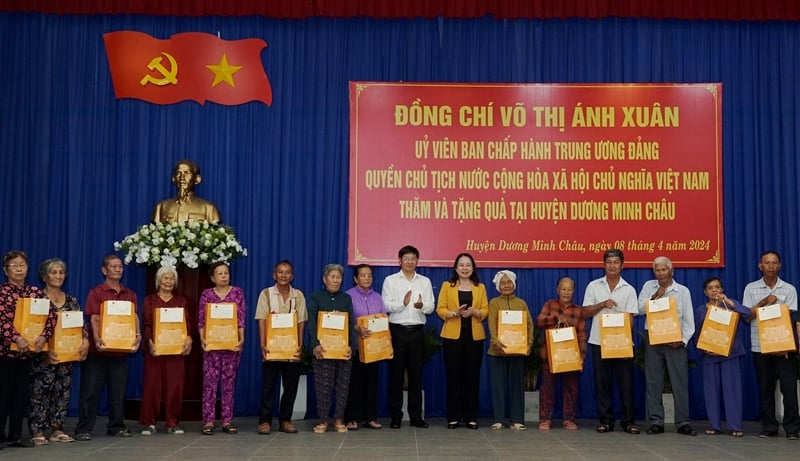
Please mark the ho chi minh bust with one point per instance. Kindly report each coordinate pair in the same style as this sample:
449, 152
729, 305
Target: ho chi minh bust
186, 206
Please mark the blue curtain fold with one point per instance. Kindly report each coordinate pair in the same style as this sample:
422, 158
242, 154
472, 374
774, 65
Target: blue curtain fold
82, 169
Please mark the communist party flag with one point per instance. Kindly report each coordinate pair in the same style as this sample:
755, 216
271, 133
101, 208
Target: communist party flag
192, 65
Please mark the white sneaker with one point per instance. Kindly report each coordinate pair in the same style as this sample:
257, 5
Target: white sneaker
149, 430
175, 430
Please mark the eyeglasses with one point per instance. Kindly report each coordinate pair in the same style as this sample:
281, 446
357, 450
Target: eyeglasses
409, 258
15, 266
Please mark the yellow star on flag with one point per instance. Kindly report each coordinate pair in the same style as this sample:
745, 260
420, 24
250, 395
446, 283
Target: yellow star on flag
223, 72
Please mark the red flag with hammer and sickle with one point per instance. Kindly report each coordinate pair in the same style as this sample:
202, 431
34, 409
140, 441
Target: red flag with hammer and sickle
192, 65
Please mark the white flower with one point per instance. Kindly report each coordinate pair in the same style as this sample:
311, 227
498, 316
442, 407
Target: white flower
187, 243
169, 261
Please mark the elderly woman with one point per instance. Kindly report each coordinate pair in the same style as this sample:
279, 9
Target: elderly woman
507, 371
561, 311
722, 376
330, 374
362, 402
163, 374
50, 392
15, 365
463, 305
220, 367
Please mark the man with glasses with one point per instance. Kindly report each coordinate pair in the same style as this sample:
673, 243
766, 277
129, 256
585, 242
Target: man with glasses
408, 297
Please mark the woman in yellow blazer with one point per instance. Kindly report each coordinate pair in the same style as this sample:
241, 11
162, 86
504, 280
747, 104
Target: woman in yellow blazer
463, 305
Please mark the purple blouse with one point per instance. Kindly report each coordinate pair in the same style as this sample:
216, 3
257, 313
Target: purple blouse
366, 303
236, 295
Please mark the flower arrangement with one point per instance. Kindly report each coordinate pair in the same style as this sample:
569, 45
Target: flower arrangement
190, 242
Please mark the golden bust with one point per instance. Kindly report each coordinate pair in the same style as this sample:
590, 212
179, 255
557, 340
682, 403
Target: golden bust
186, 206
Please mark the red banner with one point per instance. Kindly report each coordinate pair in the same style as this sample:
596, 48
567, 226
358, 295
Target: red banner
189, 66
536, 175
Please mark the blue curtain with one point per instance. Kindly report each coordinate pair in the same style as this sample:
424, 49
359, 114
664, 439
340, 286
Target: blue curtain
82, 169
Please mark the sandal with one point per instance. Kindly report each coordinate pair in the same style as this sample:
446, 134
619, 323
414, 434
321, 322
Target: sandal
321, 428
208, 429
632, 430
737, 433
570, 425
61, 437
496, 426
340, 427
39, 441
712, 431
352, 426
229, 429
544, 425
520, 426
603, 428
373, 425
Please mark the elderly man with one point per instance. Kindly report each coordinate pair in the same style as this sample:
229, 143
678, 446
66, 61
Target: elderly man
186, 206
671, 356
768, 290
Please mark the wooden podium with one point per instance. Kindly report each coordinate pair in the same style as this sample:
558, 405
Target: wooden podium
191, 283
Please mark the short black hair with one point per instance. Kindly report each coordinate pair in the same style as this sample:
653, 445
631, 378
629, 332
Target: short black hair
406, 250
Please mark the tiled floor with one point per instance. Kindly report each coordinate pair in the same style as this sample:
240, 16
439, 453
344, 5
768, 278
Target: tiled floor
407, 443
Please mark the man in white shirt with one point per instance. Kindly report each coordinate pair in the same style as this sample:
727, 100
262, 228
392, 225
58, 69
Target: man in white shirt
611, 294
671, 356
768, 290
408, 297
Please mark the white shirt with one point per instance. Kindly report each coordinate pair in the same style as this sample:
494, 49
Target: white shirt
683, 298
758, 290
394, 291
598, 291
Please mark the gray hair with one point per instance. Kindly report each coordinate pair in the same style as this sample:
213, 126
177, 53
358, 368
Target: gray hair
165, 270
662, 260
564, 280
332, 267
45, 266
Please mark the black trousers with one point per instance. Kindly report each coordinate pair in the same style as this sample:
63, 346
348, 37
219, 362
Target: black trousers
621, 370
15, 384
289, 374
462, 361
362, 402
409, 348
771, 368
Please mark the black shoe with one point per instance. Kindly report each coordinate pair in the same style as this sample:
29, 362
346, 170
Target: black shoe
655, 429
419, 423
686, 430
21, 443
395, 424
453, 425
791, 436
119, 433
765, 434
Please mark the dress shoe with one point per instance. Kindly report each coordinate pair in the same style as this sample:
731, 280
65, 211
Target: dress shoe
395, 424
687, 430
765, 434
656, 429
419, 423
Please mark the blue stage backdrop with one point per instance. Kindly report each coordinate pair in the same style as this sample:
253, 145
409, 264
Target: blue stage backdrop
82, 169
